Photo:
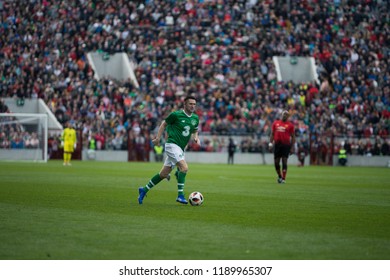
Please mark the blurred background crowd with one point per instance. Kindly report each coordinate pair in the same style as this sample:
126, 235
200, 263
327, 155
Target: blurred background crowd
218, 50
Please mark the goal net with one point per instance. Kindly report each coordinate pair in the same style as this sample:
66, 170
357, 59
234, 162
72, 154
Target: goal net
23, 137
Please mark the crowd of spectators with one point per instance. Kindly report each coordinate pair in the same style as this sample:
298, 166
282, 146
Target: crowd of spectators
219, 50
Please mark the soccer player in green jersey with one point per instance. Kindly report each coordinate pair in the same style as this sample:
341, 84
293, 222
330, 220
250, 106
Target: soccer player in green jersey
181, 126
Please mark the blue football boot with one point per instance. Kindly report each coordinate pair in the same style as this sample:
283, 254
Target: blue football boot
181, 199
142, 194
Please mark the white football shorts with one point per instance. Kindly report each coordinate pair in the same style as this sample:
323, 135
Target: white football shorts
174, 154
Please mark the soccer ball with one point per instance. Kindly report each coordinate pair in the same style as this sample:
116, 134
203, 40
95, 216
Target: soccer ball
196, 199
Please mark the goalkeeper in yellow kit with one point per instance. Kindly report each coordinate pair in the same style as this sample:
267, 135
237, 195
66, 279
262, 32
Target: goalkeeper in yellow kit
69, 142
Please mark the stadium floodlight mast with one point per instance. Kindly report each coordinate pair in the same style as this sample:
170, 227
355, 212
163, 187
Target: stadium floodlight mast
23, 137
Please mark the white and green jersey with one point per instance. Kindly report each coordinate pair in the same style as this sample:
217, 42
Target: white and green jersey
180, 127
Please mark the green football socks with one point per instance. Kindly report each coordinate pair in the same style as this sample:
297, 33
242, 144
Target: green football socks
181, 178
154, 181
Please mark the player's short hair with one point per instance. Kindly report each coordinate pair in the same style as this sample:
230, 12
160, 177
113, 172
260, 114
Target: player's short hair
188, 97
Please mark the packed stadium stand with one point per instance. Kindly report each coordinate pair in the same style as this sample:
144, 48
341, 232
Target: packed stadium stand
221, 51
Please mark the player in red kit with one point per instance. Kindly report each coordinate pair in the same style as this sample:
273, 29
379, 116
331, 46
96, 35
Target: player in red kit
282, 139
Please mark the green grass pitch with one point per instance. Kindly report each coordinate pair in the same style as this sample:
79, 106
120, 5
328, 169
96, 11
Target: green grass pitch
90, 211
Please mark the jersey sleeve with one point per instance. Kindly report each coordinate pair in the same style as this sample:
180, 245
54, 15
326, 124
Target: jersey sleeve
195, 128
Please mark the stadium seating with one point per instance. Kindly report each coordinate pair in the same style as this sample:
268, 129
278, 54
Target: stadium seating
221, 51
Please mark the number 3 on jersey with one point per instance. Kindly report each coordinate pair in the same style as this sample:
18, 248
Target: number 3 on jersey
186, 131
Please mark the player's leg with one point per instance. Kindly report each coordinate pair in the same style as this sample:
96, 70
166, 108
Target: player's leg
284, 168
277, 158
69, 158
176, 174
68, 150
169, 162
285, 152
277, 169
164, 172
66, 155
181, 178
176, 156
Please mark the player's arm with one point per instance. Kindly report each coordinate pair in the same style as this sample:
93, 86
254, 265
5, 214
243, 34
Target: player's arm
271, 141
62, 138
74, 139
292, 142
161, 129
195, 137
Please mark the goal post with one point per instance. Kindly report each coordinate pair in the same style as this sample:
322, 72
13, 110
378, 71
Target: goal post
23, 137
